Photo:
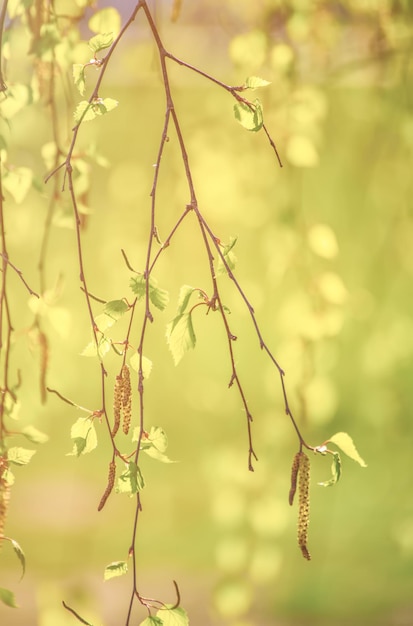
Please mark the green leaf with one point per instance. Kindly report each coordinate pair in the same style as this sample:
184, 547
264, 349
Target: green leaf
20, 456
180, 336
83, 434
335, 471
134, 362
8, 598
104, 345
100, 42
228, 255
79, 77
155, 444
185, 294
159, 297
173, 616
250, 115
34, 435
253, 82
346, 444
117, 568
20, 554
18, 182
131, 480
105, 21
151, 621
84, 112
116, 308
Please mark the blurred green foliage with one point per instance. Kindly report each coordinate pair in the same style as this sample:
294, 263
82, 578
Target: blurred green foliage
324, 255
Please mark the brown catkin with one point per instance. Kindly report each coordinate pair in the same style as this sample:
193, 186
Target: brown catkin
304, 503
109, 486
126, 399
117, 404
294, 474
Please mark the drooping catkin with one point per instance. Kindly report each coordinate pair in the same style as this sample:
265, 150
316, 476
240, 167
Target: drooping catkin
294, 474
109, 486
4, 494
117, 404
304, 503
126, 399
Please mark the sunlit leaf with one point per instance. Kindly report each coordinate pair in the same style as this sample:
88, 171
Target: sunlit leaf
180, 336
107, 20
229, 256
131, 480
84, 112
253, 82
134, 362
346, 444
117, 568
100, 42
17, 97
173, 616
18, 182
159, 297
83, 434
8, 598
335, 471
79, 77
34, 435
250, 116
20, 456
151, 621
154, 444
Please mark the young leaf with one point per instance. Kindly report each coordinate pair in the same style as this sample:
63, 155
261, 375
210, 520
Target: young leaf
35, 436
180, 336
116, 308
104, 345
173, 616
151, 621
106, 20
159, 297
253, 82
117, 568
18, 182
154, 444
131, 480
346, 444
20, 456
79, 77
83, 434
84, 111
185, 294
228, 255
20, 554
250, 116
134, 362
100, 42
8, 598
335, 471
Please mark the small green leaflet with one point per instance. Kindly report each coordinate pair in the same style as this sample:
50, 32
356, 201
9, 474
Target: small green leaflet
116, 309
335, 471
249, 115
134, 362
155, 444
20, 456
346, 444
117, 568
185, 294
8, 598
83, 434
173, 616
86, 111
229, 256
104, 345
20, 554
253, 82
35, 436
159, 297
180, 336
79, 77
100, 42
131, 480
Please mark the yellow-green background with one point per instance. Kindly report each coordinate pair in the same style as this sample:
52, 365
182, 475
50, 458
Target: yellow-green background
337, 317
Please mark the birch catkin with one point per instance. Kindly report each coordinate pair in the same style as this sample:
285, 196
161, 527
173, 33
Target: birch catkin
126, 399
4, 494
117, 404
304, 503
109, 486
294, 473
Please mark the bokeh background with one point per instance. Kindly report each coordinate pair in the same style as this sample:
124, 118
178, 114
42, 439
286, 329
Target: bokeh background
325, 257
